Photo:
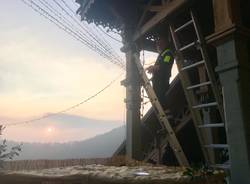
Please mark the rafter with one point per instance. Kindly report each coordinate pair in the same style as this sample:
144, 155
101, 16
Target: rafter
167, 10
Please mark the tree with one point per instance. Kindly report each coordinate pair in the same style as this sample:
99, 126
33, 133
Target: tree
6, 154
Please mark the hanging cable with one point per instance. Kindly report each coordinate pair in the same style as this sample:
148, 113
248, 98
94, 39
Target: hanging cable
119, 41
69, 30
69, 24
107, 45
142, 89
66, 109
94, 37
83, 34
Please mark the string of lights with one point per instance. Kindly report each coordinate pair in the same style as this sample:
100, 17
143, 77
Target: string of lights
66, 109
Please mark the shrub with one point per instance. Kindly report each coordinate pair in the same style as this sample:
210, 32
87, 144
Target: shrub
6, 154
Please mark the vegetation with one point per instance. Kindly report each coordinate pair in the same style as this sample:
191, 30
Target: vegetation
6, 154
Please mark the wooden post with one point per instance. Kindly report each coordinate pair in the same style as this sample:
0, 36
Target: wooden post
234, 73
133, 102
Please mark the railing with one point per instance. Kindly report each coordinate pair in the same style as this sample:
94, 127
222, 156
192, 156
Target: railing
46, 164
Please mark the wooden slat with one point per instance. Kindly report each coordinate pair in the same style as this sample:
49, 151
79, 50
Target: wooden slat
167, 9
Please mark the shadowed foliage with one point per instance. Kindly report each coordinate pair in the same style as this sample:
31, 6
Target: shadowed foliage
6, 154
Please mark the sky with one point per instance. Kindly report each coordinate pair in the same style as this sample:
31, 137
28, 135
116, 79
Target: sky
44, 70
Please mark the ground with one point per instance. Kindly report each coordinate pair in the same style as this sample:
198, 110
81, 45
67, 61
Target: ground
93, 174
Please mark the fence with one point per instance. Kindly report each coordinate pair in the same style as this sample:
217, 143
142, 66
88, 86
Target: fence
46, 164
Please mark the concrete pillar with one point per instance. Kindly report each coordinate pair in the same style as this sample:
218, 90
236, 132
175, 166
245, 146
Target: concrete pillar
232, 41
133, 102
234, 73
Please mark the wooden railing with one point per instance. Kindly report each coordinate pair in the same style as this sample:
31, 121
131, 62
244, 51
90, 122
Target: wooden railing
45, 164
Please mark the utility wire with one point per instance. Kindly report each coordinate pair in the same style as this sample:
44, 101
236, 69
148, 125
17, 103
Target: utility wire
104, 42
119, 41
69, 24
66, 109
94, 37
89, 31
86, 25
69, 30
60, 16
58, 23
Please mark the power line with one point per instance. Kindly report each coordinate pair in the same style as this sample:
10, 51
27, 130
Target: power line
69, 24
106, 46
60, 16
119, 41
94, 37
66, 109
103, 41
83, 39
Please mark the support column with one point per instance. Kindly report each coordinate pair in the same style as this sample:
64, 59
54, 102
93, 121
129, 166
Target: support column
232, 42
233, 76
133, 103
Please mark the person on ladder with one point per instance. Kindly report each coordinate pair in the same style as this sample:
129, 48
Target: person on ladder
161, 73
161, 70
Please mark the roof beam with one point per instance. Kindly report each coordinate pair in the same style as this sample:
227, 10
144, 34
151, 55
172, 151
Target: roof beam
155, 8
144, 13
167, 9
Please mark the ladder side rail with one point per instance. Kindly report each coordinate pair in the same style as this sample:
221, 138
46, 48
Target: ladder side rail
161, 115
210, 71
190, 97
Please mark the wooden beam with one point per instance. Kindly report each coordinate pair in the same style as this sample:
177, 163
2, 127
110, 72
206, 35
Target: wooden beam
153, 8
166, 10
226, 14
183, 122
144, 14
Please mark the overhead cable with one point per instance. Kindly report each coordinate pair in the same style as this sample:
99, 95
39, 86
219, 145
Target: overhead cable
94, 37
78, 36
66, 109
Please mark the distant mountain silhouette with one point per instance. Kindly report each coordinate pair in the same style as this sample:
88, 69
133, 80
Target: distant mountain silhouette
97, 147
68, 121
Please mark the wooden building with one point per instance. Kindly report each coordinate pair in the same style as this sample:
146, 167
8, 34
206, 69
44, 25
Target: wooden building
210, 97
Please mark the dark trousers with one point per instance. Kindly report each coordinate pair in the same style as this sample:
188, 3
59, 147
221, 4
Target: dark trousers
161, 87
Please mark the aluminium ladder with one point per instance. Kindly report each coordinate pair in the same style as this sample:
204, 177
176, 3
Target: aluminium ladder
171, 137
202, 96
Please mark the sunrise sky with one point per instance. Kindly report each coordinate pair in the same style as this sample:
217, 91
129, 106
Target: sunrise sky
44, 70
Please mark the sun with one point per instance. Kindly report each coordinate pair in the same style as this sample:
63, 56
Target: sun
49, 130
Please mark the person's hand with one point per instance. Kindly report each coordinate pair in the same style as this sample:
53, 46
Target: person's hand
151, 69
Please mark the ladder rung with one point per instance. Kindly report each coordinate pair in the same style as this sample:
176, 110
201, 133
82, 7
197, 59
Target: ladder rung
199, 85
205, 105
184, 25
216, 146
187, 46
221, 166
215, 125
193, 65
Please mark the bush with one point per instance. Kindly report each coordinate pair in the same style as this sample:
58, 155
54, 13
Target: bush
6, 154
